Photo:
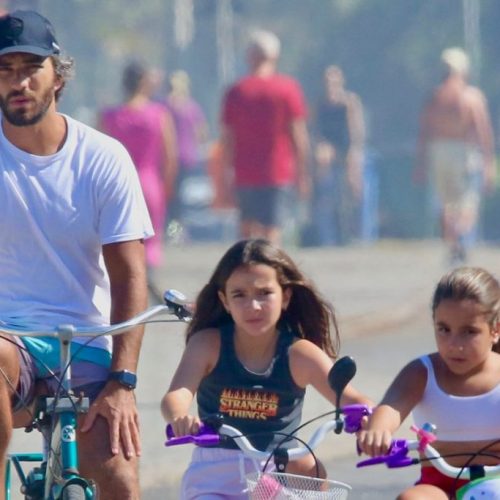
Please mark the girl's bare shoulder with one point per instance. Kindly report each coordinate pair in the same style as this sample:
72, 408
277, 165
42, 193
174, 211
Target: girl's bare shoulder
206, 340
412, 376
303, 348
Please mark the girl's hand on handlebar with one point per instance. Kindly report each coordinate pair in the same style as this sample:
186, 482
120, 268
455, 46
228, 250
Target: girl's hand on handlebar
185, 425
374, 442
363, 423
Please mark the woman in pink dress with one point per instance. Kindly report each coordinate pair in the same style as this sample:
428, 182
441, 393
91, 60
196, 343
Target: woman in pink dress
146, 129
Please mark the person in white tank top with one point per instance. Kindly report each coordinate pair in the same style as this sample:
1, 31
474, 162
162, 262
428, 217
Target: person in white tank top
456, 388
73, 221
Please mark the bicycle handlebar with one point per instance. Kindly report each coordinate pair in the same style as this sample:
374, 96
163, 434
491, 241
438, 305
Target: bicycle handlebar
210, 436
398, 456
175, 304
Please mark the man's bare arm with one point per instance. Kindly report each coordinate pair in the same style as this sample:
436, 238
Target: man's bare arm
484, 133
355, 155
125, 262
300, 141
170, 166
126, 267
227, 146
356, 122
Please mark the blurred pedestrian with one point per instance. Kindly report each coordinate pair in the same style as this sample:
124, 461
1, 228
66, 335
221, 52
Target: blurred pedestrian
456, 151
265, 140
192, 136
146, 129
339, 158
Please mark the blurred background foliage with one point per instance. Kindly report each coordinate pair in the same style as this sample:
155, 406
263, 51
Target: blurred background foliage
389, 50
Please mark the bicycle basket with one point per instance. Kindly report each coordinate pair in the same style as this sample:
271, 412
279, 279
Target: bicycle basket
280, 486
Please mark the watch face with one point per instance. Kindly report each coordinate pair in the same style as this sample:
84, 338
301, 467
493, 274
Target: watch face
126, 378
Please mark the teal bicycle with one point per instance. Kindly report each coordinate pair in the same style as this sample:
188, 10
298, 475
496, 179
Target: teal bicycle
57, 477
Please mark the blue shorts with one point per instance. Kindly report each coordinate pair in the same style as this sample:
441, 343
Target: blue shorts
268, 205
87, 377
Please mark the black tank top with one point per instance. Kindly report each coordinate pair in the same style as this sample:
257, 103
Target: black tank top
257, 405
333, 126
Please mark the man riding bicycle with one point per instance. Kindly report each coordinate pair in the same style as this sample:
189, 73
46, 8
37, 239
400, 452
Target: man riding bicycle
73, 220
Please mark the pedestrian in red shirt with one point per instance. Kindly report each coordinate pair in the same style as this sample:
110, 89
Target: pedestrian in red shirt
265, 140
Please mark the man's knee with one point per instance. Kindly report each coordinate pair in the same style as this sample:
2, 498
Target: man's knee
120, 473
116, 479
116, 476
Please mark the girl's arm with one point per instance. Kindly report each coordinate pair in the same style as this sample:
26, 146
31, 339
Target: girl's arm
403, 394
199, 358
310, 365
170, 167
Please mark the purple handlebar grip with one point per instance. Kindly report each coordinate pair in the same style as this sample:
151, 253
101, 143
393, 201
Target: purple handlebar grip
397, 456
353, 414
205, 437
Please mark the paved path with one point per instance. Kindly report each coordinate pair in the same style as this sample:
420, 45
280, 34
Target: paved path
381, 294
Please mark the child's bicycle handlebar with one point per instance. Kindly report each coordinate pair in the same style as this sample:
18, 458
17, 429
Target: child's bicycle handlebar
212, 433
399, 456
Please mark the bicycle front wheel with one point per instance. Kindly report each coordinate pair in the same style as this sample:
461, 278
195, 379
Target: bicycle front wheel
74, 492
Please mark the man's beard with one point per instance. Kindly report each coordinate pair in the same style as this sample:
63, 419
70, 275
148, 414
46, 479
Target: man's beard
19, 118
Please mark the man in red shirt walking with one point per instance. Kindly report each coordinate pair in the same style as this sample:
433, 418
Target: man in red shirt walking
265, 140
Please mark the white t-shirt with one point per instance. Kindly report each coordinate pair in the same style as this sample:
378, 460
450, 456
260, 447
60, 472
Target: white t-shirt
56, 212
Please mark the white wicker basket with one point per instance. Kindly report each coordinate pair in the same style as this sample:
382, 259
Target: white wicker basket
279, 486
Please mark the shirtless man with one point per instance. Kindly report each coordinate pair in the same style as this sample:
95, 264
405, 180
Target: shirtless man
456, 151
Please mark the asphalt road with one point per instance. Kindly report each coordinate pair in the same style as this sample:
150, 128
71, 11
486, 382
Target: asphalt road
381, 294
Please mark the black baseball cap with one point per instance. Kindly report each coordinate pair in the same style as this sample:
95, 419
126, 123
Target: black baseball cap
27, 31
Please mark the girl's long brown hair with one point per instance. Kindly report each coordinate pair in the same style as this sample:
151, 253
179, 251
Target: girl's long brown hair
308, 315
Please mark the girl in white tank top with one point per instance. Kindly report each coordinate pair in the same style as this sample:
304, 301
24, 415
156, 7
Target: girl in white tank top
456, 388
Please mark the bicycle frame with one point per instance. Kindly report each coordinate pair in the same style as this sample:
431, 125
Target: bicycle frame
15, 460
63, 455
59, 462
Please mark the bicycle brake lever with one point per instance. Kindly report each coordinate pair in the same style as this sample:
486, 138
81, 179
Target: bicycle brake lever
206, 437
397, 456
178, 304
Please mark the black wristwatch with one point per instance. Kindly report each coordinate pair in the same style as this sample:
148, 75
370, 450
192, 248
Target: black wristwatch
125, 378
